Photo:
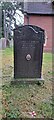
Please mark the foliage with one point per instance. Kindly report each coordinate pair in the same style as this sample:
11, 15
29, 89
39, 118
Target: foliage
8, 16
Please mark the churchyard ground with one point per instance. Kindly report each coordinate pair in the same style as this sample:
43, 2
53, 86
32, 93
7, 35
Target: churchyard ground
19, 101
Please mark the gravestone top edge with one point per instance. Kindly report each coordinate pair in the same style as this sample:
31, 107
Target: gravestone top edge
33, 30
32, 26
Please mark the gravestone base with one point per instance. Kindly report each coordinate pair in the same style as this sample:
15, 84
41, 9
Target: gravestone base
28, 81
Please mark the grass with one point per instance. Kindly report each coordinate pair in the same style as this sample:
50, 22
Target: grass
19, 100
8, 51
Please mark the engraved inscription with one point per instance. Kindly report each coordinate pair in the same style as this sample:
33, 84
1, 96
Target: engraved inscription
29, 44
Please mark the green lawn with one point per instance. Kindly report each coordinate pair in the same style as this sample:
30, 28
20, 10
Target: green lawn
19, 100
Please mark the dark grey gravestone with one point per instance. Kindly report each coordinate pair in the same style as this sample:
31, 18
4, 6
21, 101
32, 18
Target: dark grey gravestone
28, 51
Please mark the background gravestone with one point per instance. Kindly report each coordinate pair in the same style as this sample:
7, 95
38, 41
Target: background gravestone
2, 43
28, 51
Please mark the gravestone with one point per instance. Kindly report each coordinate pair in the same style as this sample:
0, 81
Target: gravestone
28, 51
2, 43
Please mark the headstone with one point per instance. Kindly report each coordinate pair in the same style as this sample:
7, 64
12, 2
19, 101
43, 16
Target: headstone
2, 43
28, 51
11, 43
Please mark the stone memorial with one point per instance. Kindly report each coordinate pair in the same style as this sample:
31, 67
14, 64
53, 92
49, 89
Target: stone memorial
28, 51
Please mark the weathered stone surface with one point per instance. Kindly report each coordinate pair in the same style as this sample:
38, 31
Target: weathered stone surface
28, 51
